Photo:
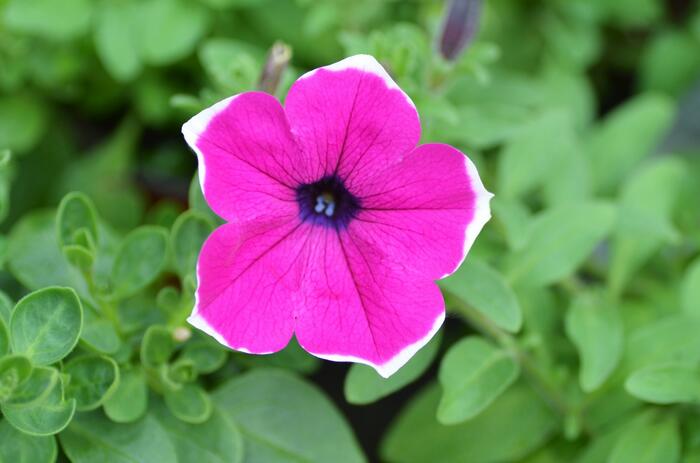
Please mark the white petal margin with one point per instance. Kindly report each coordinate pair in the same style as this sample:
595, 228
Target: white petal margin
195, 127
482, 211
387, 369
364, 63
196, 320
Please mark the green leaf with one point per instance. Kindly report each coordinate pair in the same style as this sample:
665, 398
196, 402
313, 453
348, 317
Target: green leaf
205, 355
644, 221
50, 19
35, 388
76, 212
626, 136
99, 334
665, 384
22, 121
473, 374
129, 401
670, 63
517, 423
187, 237
177, 37
230, 64
652, 440
157, 346
529, 156
119, 52
19, 447
190, 404
34, 257
91, 437
514, 218
140, 259
253, 400
671, 339
46, 324
14, 370
594, 326
690, 289
45, 417
218, 440
93, 378
484, 289
363, 385
560, 240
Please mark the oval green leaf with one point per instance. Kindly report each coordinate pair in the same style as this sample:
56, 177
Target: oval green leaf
560, 240
484, 288
46, 324
93, 378
14, 370
595, 327
129, 401
666, 384
75, 212
473, 374
38, 385
140, 259
45, 417
190, 403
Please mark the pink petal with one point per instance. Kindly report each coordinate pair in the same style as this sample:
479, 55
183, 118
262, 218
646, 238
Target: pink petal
247, 273
361, 305
351, 119
425, 211
247, 157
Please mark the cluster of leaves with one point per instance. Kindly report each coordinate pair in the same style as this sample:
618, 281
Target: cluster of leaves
573, 327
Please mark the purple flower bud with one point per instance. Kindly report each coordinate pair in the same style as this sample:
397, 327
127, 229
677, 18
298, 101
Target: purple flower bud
459, 27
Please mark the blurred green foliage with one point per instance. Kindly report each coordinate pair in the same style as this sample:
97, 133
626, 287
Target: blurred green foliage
574, 328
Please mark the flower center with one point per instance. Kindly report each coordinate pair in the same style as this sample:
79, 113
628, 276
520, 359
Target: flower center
327, 202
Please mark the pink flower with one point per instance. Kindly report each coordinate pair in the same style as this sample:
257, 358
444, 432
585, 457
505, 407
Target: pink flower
338, 225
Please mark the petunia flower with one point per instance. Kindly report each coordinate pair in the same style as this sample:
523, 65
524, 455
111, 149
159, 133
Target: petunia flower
338, 224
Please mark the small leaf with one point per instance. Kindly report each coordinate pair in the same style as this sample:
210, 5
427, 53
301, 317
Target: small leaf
37, 386
484, 288
595, 327
187, 237
690, 289
218, 440
206, 356
118, 51
6, 307
473, 374
92, 437
139, 260
99, 334
14, 370
190, 404
129, 401
560, 240
665, 384
626, 136
22, 120
651, 440
48, 416
46, 324
76, 212
363, 385
93, 378
157, 346
22, 448
254, 400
